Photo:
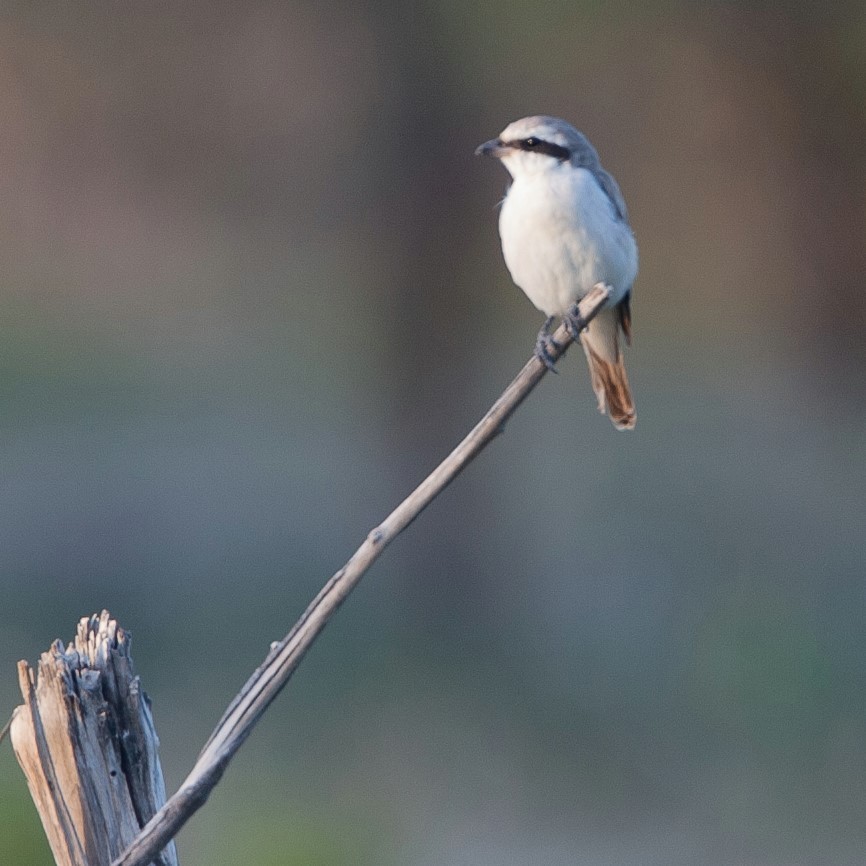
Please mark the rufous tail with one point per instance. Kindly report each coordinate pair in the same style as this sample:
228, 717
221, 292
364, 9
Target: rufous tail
607, 367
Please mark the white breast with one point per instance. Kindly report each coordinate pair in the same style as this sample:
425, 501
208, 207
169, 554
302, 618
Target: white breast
560, 236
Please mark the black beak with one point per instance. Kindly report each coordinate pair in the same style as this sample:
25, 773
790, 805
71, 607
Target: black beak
490, 148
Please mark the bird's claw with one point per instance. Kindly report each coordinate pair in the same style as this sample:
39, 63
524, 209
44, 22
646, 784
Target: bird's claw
543, 352
545, 346
574, 322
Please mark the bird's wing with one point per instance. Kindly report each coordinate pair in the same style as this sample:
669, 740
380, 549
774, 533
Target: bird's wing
624, 312
611, 189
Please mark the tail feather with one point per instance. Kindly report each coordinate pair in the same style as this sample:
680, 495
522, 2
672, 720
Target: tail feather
607, 368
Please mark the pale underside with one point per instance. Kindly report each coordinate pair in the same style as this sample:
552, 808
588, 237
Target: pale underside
561, 236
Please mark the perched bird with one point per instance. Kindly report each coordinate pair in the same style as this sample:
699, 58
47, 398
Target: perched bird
564, 228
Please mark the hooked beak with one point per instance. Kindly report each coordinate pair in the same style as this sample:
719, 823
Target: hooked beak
494, 148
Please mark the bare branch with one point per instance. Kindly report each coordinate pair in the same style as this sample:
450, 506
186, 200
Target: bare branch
267, 681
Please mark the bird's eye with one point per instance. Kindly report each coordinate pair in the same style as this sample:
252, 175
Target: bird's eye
531, 142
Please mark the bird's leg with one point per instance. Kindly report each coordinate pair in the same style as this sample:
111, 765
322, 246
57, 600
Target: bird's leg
574, 322
545, 345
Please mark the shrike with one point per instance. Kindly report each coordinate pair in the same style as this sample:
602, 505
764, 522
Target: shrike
564, 228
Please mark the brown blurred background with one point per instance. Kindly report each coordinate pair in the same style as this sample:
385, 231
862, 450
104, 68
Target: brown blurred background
252, 292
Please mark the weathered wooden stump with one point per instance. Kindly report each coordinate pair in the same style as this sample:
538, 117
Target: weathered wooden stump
87, 744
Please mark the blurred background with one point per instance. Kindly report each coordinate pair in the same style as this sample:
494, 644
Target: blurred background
252, 292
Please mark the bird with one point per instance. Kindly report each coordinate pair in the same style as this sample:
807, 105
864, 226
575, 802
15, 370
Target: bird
564, 228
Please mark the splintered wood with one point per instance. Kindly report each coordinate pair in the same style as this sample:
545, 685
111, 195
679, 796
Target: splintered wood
87, 744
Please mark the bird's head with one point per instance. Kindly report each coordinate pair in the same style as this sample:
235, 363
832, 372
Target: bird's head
537, 144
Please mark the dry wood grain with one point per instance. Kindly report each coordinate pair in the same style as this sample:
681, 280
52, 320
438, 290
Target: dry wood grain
86, 742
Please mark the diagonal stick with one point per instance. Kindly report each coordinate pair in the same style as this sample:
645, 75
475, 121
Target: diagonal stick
269, 678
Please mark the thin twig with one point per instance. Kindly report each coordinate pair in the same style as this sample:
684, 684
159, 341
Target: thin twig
267, 681
5, 729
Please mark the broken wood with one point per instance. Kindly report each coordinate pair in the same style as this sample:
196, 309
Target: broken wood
87, 744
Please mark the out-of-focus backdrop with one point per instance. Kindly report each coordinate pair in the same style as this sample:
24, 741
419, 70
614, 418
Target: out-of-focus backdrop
252, 292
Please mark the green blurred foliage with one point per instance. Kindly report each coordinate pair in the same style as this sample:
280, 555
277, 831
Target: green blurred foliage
23, 841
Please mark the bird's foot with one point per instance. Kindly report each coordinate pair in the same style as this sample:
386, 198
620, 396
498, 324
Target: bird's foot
545, 346
574, 322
